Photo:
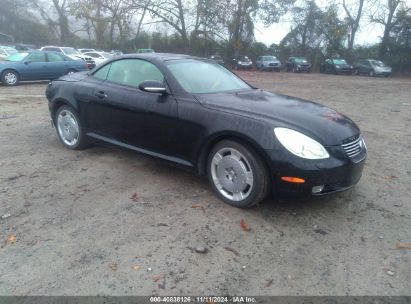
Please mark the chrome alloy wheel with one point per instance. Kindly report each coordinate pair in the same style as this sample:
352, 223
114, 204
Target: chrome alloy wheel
68, 127
10, 78
232, 174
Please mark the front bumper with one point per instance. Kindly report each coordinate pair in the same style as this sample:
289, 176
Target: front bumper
344, 71
272, 66
244, 65
337, 173
383, 73
304, 68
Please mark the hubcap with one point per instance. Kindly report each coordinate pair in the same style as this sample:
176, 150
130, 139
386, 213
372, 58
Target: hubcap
10, 78
232, 174
68, 128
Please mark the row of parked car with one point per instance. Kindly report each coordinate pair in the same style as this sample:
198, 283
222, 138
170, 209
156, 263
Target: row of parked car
48, 62
369, 67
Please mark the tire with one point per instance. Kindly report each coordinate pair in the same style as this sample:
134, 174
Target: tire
10, 78
356, 72
371, 73
71, 71
237, 174
69, 129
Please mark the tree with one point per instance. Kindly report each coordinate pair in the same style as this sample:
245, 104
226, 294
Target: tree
353, 21
55, 15
386, 16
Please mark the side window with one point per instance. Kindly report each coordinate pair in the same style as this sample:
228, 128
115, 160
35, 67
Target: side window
102, 72
37, 57
132, 72
54, 57
328, 61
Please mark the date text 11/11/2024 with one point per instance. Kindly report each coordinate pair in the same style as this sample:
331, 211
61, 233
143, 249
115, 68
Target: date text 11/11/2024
203, 299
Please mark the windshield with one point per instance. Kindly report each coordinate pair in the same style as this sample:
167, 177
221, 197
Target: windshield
17, 57
300, 60
339, 61
203, 77
378, 63
10, 51
269, 58
70, 51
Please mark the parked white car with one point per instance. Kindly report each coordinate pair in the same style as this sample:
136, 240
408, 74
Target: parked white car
99, 57
70, 52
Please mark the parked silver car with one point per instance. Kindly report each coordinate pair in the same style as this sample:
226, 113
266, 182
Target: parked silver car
372, 67
268, 63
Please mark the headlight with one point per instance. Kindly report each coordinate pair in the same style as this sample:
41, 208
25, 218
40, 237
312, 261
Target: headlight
337, 67
300, 144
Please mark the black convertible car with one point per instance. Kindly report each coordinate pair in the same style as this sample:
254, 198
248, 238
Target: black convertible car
198, 115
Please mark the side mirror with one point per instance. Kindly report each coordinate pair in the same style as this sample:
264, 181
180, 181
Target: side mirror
153, 86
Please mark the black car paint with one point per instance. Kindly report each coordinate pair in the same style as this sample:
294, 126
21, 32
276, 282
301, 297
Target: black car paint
181, 127
329, 66
292, 65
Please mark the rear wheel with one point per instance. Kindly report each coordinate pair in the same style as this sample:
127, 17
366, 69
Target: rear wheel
69, 128
237, 174
10, 78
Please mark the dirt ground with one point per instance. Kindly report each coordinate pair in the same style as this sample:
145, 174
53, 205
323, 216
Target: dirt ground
109, 222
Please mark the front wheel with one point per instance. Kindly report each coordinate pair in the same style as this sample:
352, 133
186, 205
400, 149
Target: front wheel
69, 128
10, 78
237, 174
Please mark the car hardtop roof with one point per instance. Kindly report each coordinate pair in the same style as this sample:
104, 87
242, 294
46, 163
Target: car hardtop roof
159, 56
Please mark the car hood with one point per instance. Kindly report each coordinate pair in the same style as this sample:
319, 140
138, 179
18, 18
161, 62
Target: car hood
321, 123
383, 69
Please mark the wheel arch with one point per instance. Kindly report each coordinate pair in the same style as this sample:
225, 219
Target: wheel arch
238, 137
10, 69
59, 102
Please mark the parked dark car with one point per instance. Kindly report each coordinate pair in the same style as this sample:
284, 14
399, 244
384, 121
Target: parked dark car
268, 63
37, 65
336, 66
298, 64
218, 59
196, 114
242, 63
372, 67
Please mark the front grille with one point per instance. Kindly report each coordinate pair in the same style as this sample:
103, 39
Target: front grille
273, 64
354, 146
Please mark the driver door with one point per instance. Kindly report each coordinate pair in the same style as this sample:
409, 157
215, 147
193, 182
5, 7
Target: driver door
120, 111
34, 67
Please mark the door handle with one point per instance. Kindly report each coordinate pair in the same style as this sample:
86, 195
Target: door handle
101, 95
